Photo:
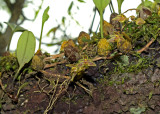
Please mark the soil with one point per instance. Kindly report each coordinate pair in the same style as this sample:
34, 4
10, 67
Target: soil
127, 83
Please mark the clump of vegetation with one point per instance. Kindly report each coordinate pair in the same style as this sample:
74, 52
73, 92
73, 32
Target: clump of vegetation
124, 66
8, 63
115, 44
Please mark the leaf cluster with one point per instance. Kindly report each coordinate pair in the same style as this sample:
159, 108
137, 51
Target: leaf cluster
26, 43
144, 32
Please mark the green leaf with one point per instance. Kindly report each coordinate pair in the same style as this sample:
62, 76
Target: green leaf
45, 15
37, 11
119, 5
63, 20
157, 1
146, 3
70, 8
101, 4
44, 19
50, 45
53, 30
82, 1
25, 49
15, 28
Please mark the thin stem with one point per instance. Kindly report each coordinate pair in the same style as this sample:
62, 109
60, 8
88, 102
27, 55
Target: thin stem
119, 10
101, 23
142, 2
90, 29
22, 86
119, 6
112, 6
16, 75
41, 37
8, 47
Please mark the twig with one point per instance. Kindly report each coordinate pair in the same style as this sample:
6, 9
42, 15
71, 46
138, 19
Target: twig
55, 96
111, 4
110, 57
3, 88
9, 4
84, 47
24, 19
53, 57
87, 90
146, 46
53, 99
54, 75
129, 10
54, 64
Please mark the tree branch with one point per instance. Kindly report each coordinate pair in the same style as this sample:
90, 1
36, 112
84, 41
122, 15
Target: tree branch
15, 13
9, 4
24, 19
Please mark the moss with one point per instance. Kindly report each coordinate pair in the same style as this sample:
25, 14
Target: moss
8, 63
144, 32
134, 66
114, 77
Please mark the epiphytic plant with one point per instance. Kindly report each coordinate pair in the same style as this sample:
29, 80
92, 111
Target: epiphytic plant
101, 5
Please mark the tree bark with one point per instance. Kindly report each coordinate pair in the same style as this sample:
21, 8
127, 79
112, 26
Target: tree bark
16, 11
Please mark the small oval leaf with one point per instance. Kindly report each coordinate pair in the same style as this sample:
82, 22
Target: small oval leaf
19, 29
70, 8
25, 47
